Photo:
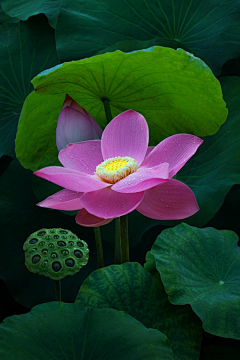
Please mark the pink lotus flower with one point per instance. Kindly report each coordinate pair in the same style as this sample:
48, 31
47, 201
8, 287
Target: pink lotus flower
75, 125
113, 176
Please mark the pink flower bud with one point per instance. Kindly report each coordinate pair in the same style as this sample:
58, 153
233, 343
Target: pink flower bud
75, 125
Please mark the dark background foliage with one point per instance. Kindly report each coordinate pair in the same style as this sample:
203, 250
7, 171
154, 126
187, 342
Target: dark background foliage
35, 36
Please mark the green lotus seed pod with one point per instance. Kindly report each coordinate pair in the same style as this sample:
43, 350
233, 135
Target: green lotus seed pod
55, 253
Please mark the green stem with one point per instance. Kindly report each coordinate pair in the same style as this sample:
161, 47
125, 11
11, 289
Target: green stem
118, 248
99, 247
124, 238
57, 290
107, 110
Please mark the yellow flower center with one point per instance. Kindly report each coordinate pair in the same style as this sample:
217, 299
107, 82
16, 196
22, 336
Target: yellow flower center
114, 169
115, 165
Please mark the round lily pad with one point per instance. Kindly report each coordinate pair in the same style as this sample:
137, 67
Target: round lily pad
25, 49
201, 267
69, 331
175, 91
86, 27
128, 287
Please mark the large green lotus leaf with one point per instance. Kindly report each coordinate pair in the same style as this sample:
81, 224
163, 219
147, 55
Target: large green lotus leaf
130, 288
212, 347
69, 331
201, 267
133, 45
84, 28
175, 91
26, 48
23, 9
4, 18
204, 27
214, 169
150, 265
19, 218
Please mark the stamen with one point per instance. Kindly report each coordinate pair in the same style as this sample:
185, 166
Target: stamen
114, 169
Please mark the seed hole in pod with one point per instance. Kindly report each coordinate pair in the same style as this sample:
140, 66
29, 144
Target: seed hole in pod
48, 237
64, 237
61, 243
70, 243
63, 232
52, 231
36, 259
41, 233
45, 263
32, 250
80, 244
65, 252
72, 237
54, 255
78, 254
56, 266
44, 251
51, 245
33, 241
70, 262
41, 243
56, 236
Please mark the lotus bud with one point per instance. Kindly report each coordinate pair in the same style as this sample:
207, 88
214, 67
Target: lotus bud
75, 125
55, 253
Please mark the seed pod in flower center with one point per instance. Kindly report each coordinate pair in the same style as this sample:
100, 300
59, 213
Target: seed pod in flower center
114, 169
55, 253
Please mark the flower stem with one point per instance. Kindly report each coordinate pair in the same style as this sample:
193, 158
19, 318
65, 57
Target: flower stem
118, 248
124, 238
57, 290
99, 247
107, 109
